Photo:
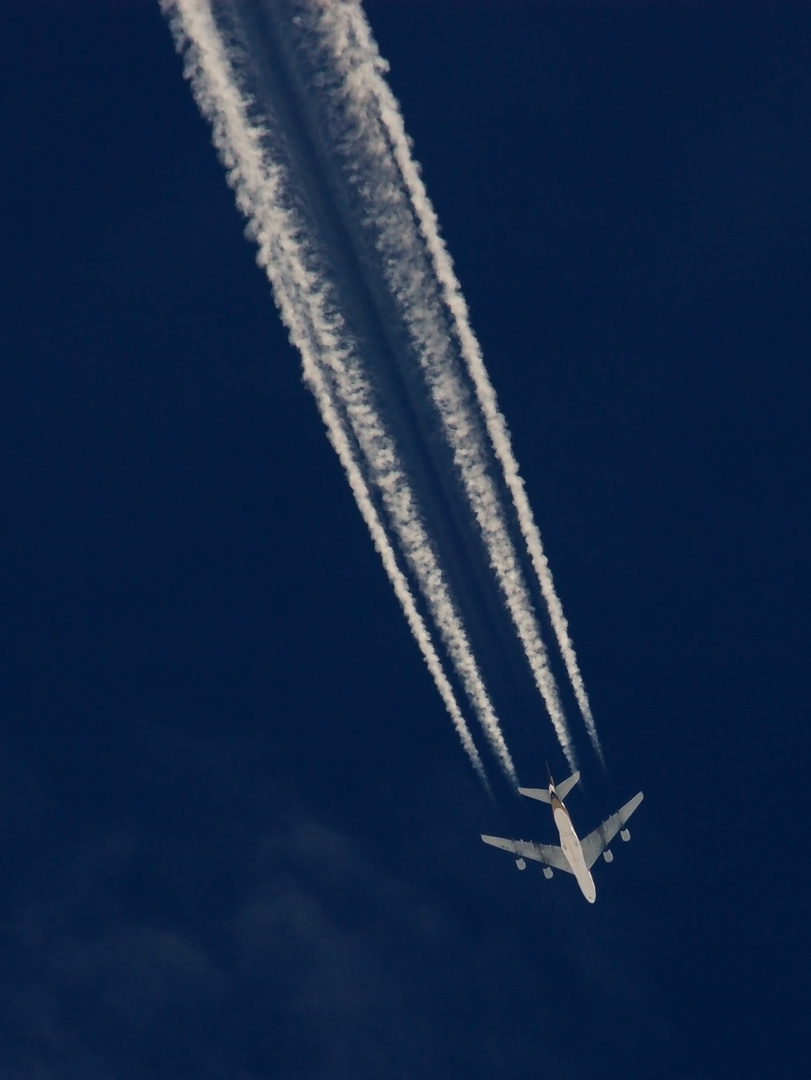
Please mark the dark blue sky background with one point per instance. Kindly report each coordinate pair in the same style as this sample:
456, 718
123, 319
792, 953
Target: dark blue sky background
238, 837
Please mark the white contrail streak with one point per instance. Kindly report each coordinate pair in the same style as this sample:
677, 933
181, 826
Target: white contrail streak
452, 295
373, 149
332, 366
494, 419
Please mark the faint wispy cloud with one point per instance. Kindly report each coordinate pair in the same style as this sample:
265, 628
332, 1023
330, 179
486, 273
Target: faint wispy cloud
238, 936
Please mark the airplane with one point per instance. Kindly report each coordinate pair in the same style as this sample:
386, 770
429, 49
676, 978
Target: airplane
573, 856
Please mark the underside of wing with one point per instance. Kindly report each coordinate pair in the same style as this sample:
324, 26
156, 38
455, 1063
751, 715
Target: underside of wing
548, 854
596, 842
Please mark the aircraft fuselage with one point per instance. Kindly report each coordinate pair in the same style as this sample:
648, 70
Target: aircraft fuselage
571, 847
573, 855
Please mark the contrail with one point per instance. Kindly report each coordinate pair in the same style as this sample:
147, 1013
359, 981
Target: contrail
328, 63
332, 363
363, 74
371, 148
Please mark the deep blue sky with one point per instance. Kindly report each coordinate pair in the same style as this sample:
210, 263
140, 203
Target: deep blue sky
238, 837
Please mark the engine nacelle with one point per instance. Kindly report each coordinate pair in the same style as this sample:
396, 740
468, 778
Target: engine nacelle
625, 834
521, 863
608, 855
547, 872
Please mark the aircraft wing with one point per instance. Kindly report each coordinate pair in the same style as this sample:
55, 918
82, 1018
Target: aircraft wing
596, 842
542, 853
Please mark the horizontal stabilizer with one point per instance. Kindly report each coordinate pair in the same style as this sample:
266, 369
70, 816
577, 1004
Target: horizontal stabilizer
542, 794
539, 793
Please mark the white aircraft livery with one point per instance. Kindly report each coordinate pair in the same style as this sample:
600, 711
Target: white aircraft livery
574, 855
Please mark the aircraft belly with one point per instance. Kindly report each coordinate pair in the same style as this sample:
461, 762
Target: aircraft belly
586, 882
572, 849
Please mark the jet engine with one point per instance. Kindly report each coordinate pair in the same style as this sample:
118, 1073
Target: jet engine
625, 834
521, 864
547, 872
608, 855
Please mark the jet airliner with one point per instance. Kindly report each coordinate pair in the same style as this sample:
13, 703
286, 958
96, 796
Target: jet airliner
574, 856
